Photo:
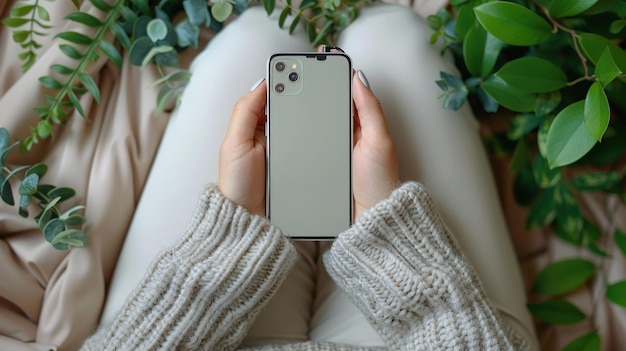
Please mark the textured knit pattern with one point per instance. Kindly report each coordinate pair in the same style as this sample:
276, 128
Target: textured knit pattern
398, 263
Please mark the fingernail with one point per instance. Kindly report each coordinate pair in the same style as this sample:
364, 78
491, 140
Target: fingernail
363, 78
256, 85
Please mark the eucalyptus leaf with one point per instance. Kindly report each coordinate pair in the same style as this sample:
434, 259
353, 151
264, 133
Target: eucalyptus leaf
616, 293
139, 50
533, 75
597, 112
568, 139
120, 35
52, 229
222, 10
586, 342
556, 312
197, 11
187, 34
39, 169
28, 186
563, 276
47, 213
513, 23
63, 193
69, 238
156, 29
6, 192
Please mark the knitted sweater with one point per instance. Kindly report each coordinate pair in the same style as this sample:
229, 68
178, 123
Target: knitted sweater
398, 263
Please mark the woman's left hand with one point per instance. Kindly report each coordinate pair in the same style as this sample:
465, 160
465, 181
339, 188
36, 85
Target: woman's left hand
242, 155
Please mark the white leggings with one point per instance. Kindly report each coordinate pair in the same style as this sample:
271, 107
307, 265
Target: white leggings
441, 149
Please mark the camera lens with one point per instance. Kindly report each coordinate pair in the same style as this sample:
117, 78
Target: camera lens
280, 87
280, 66
293, 76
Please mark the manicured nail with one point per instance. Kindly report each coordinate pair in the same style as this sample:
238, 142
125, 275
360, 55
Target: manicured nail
256, 85
363, 78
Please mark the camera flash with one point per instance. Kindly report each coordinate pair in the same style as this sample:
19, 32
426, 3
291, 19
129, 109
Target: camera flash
294, 66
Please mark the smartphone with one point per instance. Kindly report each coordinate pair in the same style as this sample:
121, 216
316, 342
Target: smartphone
309, 144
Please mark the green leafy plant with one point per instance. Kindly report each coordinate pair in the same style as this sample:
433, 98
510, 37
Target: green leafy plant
558, 68
57, 226
149, 33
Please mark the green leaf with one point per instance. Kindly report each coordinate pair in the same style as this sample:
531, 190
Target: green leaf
52, 228
157, 30
84, 18
90, 84
68, 238
322, 33
75, 220
455, 91
222, 10
28, 186
294, 23
544, 176
546, 103
14, 22
616, 293
593, 181
617, 26
593, 46
39, 169
587, 342
50, 83
606, 68
283, 16
569, 8
70, 51
100, 4
43, 13
138, 51
21, 9
197, 12
111, 52
153, 52
568, 139
181, 75
5, 139
508, 96
481, 51
533, 75
21, 35
120, 35
63, 193
74, 37
563, 276
597, 112
543, 211
6, 193
76, 103
269, 6
61, 69
523, 123
465, 20
620, 241
187, 34
556, 312
513, 24
47, 213
25, 202
568, 216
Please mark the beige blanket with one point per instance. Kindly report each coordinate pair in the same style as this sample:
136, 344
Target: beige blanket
50, 297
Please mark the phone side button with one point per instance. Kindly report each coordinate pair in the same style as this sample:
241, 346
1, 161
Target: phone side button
265, 129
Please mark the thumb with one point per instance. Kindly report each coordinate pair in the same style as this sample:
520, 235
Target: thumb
368, 108
247, 113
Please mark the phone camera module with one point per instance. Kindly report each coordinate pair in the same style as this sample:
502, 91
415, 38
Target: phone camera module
280, 66
280, 87
293, 76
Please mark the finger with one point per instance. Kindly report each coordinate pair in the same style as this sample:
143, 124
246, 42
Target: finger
371, 118
247, 113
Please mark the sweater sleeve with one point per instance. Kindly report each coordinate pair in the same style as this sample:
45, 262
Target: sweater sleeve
204, 293
406, 273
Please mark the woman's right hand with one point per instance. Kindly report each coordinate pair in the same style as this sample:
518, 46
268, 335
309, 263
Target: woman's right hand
375, 165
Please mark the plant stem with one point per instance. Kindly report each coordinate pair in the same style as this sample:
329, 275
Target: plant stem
91, 50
